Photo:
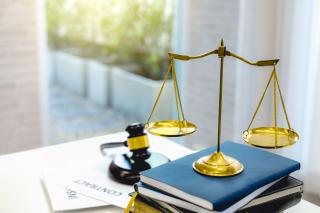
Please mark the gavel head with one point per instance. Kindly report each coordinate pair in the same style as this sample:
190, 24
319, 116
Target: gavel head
138, 142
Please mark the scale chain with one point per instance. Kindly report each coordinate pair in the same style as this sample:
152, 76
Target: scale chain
260, 102
177, 92
275, 105
282, 102
276, 85
162, 86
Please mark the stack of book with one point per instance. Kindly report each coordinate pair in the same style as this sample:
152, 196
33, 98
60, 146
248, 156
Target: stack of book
263, 186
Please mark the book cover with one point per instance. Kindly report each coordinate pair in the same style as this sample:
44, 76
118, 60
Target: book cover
218, 193
277, 205
283, 185
165, 197
145, 204
286, 186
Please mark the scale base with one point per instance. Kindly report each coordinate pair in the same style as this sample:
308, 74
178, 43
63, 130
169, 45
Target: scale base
218, 165
124, 170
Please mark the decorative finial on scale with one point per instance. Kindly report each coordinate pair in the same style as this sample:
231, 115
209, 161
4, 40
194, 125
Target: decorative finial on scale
222, 43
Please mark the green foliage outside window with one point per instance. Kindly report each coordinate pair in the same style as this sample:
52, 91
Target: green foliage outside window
122, 32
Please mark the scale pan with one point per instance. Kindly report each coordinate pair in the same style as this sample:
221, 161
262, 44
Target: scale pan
171, 128
270, 137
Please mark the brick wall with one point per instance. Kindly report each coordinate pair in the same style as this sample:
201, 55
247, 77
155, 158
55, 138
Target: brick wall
20, 126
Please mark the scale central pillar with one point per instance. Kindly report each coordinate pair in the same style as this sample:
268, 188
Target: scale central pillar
218, 164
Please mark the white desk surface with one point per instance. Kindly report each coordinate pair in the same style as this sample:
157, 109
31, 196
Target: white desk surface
21, 189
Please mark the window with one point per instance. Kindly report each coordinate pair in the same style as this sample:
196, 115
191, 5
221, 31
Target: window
106, 62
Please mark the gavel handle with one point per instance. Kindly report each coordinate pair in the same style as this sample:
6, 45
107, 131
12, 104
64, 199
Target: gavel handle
112, 145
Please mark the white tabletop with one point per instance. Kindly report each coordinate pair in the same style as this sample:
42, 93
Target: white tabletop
21, 188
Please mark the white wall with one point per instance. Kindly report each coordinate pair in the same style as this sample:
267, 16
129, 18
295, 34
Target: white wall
20, 102
289, 30
251, 29
257, 38
202, 24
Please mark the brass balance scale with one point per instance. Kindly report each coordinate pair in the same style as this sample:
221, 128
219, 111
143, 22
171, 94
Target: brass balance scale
218, 164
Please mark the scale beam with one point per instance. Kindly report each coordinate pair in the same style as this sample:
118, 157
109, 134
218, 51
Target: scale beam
187, 57
263, 63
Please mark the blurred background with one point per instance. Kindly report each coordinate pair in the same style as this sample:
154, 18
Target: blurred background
74, 69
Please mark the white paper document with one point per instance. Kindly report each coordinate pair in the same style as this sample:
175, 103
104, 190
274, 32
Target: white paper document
75, 190
63, 199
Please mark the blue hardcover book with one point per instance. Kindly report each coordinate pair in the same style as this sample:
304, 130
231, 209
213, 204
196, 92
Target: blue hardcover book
261, 170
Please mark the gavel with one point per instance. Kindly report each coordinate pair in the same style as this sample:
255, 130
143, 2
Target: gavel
126, 168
